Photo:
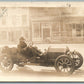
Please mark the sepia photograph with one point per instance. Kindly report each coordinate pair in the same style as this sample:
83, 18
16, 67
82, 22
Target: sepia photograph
41, 41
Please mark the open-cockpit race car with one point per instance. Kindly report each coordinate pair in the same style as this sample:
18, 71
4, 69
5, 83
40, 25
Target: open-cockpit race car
64, 60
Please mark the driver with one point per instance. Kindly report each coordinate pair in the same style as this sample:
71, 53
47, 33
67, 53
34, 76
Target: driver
22, 45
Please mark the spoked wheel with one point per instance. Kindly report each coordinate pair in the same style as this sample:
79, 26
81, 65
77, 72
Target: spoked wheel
64, 65
6, 63
78, 59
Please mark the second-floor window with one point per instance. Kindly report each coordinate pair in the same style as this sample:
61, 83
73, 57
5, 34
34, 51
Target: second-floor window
16, 20
24, 19
4, 20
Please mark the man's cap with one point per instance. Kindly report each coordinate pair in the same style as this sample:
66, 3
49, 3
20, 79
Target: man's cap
21, 38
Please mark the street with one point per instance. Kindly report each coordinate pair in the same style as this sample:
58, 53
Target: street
34, 73
39, 73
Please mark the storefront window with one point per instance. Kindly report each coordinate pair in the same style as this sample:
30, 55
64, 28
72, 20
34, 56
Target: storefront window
55, 27
78, 30
36, 30
68, 30
55, 30
46, 31
73, 30
73, 26
83, 30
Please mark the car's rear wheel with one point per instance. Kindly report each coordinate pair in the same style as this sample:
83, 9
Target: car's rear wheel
64, 65
6, 63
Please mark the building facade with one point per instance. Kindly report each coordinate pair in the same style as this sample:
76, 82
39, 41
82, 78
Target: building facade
13, 24
41, 24
57, 25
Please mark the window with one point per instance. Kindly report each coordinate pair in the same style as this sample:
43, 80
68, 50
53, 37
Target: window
83, 30
16, 20
46, 33
78, 30
14, 35
36, 30
4, 20
73, 30
68, 30
18, 35
11, 36
55, 27
26, 34
24, 19
3, 35
55, 30
73, 25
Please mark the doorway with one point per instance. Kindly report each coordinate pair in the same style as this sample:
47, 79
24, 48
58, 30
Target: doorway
46, 31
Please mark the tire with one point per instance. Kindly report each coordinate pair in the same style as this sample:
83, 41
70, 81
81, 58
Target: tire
64, 65
78, 59
6, 64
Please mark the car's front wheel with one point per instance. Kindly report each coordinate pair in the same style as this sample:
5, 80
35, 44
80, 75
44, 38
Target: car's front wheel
64, 65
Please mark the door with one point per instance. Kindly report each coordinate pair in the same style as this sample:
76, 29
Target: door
46, 33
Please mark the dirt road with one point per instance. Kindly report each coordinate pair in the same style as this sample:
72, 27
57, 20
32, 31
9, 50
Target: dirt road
39, 73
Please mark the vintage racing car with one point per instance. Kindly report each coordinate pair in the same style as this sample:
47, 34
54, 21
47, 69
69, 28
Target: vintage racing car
62, 59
